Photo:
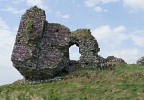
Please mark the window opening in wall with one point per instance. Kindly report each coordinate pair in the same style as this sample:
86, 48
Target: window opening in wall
74, 53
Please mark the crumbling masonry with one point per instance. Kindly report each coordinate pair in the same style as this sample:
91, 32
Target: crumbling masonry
41, 49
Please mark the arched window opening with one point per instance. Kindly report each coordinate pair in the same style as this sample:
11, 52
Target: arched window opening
74, 53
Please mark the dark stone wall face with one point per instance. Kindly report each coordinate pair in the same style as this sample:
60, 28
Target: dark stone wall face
41, 49
53, 47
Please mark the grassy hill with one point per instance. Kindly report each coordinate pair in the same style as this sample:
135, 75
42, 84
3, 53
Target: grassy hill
126, 82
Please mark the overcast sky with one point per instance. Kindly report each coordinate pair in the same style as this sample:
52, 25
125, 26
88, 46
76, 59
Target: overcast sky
118, 26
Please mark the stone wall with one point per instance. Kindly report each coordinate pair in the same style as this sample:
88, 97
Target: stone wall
28, 40
41, 49
88, 46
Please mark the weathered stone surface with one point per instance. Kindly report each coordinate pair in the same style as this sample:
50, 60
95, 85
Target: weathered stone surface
140, 61
114, 59
88, 46
73, 66
41, 49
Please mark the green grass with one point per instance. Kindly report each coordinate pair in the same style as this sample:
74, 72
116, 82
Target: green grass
126, 82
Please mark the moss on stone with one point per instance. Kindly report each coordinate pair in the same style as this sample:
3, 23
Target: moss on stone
80, 33
29, 26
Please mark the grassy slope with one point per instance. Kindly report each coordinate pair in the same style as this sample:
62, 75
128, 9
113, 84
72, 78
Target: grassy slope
124, 83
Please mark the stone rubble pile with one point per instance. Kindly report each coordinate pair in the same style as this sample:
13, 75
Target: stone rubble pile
114, 59
140, 61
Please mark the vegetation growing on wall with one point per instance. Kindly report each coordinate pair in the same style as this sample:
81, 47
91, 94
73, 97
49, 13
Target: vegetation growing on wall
81, 33
29, 26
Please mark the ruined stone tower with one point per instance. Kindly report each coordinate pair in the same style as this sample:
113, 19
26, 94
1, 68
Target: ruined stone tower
41, 49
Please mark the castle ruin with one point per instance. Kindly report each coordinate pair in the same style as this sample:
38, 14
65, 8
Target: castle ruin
41, 49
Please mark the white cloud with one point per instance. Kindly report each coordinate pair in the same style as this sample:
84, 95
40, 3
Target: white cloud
102, 32
13, 10
34, 2
39, 3
119, 29
108, 1
8, 73
129, 55
3, 24
95, 4
138, 38
18, 1
91, 3
134, 4
66, 16
118, 34
107, 33
5, 34
114, 42
63, 16
98, 9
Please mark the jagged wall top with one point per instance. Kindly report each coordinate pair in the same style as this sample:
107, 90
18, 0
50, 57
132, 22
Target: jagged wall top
35, 12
